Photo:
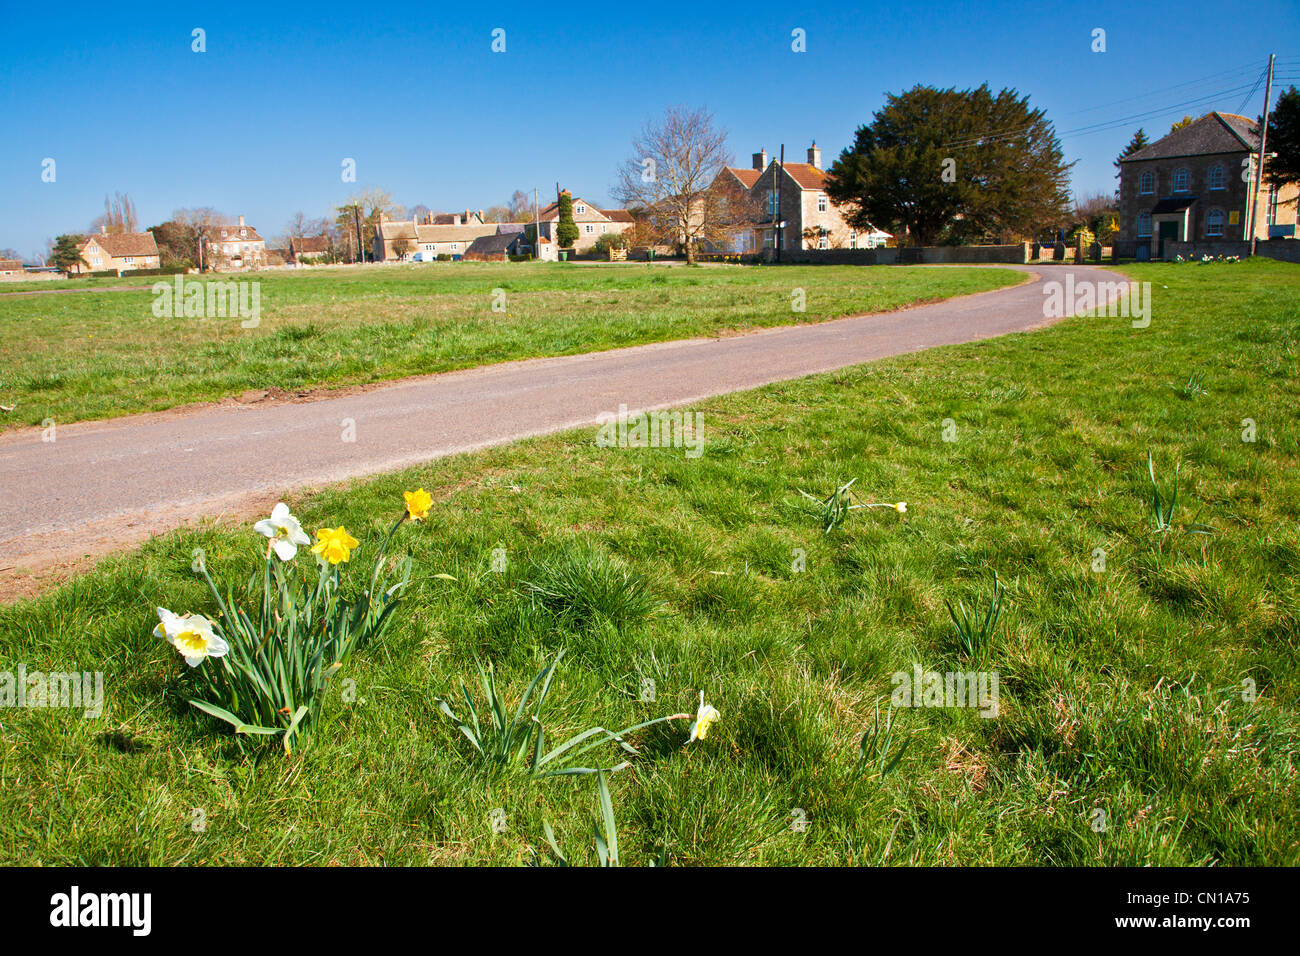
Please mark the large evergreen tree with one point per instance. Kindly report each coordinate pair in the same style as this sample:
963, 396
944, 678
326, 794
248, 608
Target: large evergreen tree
1284, 139
954, 166
66, 254
566, 231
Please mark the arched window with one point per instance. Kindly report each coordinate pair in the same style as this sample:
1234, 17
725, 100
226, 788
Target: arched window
1144, 225
1217, 178
1147, 184
1180, 179
1214, 223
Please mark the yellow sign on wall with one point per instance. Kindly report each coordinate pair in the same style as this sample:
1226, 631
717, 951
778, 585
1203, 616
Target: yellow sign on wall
1234, 217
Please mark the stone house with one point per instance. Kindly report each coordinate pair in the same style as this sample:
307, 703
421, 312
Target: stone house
592, 222
436, 234
120, 251
806, 218
234, 248
1196, 185
308, 248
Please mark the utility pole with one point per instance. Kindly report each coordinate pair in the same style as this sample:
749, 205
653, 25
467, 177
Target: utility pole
778, 227
361, 242
537, 225
1259, 166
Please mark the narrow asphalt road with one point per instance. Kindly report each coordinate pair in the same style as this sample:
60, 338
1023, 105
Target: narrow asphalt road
102, 486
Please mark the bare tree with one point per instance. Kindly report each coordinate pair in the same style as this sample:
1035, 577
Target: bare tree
298, 225
119, 215
520, 207
671, 177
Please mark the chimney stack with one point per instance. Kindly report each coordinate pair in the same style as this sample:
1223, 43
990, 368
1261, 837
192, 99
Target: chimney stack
103, 230
241, 220
760, 160
814, 156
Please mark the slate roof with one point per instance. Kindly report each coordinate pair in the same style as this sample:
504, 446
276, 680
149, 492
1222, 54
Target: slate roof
485, 245
1212, 133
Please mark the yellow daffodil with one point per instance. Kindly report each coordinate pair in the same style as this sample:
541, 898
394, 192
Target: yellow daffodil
418, 503
704, 718
334, 544
285, 532
191, 634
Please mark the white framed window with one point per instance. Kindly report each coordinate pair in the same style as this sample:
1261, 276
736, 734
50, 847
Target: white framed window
1147, 184
771, 205
1144, 225
243, 234
823, 243
1214, 222
821, 202
590, 228
1271, 215
1217, 177
455, 247
602, 229
580, 209
853, 240
96, 261
1180, 179
129, 260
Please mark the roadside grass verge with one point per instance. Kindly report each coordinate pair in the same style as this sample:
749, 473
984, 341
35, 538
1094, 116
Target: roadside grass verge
1122, 690
98, 354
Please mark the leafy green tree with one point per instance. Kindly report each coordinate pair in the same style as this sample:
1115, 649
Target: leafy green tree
1185, 121
953, 166
1284, 139
66, 254
566, 231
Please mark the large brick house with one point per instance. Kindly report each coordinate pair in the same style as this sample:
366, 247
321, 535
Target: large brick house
1194, 185
120, 251
806, 218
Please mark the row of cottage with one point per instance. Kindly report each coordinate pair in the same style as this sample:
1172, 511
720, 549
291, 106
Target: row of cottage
1186, 187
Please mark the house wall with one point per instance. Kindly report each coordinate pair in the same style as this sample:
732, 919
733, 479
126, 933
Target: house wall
911, 255
1287, 250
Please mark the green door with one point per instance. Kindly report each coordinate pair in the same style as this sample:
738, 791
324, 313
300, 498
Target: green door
1168, 230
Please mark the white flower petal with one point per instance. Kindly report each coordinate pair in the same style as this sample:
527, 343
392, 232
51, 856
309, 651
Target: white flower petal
280, 512
266, 527
285, 549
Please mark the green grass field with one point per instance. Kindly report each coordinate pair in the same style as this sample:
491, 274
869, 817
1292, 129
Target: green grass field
96, 354
1121, 690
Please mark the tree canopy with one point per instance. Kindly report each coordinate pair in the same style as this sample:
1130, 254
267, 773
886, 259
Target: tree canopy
1284, 139
953, 166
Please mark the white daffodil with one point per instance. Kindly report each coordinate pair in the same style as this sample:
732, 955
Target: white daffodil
285, 532
901, 507
191, 634
704, 717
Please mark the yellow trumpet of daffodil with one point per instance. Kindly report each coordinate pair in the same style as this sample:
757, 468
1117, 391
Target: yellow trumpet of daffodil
418, 503
191, 634
334, 544
704, 718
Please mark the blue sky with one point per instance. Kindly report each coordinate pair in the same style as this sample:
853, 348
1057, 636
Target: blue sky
260, 123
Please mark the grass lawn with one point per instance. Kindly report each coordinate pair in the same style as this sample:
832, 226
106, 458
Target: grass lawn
1121, 690
96, 354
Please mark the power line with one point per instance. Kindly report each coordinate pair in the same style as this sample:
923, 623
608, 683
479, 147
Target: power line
1098, 127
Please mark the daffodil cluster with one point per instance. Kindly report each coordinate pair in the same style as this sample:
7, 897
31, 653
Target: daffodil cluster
275, 644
